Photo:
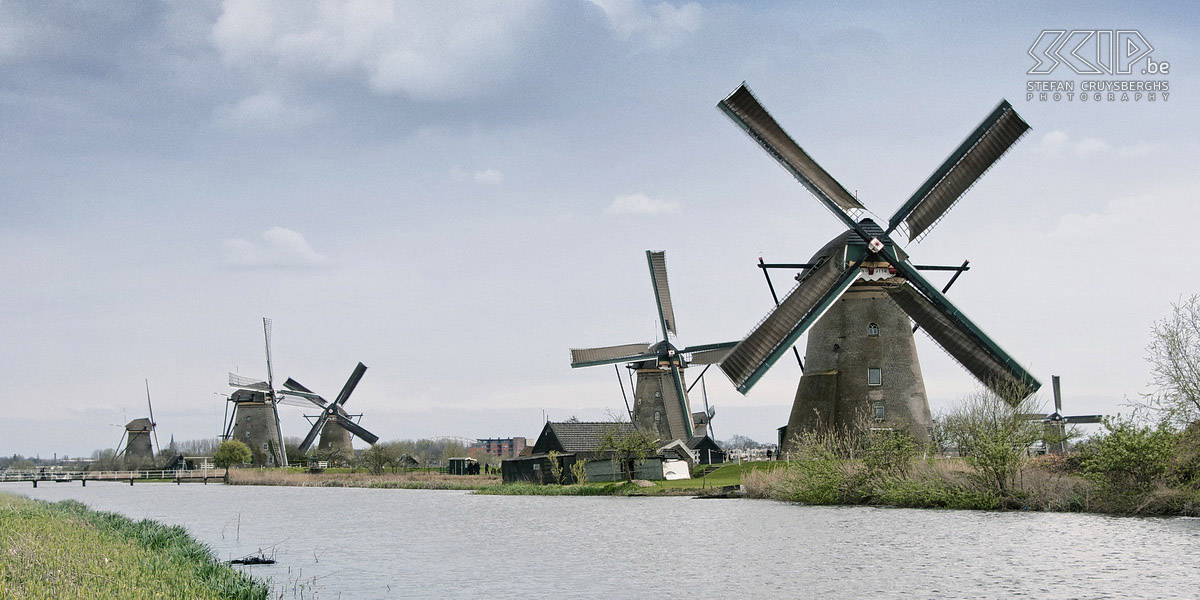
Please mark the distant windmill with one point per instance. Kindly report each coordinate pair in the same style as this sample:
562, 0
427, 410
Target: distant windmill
335, 435
1055, 424
856, 297
255, 418
660, 404
138, 450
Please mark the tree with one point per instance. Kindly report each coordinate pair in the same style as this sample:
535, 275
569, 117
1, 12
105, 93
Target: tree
231, 453
1175, 366
556, 468
739, 442
627, 445
992, 434
379, 457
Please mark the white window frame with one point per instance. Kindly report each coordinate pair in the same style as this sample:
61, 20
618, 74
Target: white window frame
878, 379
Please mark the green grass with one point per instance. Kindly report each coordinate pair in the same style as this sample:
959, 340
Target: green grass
725, 475
65, 550
587, 489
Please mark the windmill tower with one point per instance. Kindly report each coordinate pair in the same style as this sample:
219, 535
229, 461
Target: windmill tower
660, 404
858, 295
334, 424
255, 418
138, 451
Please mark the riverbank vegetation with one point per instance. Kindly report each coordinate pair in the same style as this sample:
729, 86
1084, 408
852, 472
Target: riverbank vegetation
1127, 469
65, 550
720, 481
422, 479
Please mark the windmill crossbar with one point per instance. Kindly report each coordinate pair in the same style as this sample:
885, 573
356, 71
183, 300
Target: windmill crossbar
958, 268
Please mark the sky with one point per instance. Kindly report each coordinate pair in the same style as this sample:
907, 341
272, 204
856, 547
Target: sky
456, 193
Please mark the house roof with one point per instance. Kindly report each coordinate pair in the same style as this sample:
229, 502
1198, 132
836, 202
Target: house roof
577, 436
703, 441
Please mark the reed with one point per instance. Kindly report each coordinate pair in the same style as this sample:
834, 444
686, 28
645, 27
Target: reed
65, 550
423, 480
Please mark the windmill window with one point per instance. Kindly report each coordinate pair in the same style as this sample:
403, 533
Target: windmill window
873, 329
874, 376
880, 411
657, 416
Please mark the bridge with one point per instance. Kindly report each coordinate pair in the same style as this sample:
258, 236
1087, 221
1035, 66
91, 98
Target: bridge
161, 476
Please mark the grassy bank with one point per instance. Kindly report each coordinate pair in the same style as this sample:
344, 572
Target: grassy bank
715, 482
65, 550
412, 480
1049, 483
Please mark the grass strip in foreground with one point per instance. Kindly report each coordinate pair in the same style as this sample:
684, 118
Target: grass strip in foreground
65, 550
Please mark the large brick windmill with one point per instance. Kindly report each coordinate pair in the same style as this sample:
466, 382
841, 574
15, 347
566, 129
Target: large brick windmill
860, 290
660, 400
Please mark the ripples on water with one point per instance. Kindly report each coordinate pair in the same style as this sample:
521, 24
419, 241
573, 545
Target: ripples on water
361, 543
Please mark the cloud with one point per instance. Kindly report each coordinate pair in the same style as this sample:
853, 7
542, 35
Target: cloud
1057, 143
488, 177
656, 26
641, 204
427, 51
1131, 218
266, 109
491, 177
280, 248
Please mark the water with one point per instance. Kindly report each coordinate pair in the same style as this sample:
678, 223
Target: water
361, 543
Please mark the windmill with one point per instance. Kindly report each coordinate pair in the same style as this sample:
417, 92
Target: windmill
138, 451
255, 418
335, 435
861, 290
660, 401
1055, 423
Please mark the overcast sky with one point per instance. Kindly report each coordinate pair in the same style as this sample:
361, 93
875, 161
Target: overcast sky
456, 193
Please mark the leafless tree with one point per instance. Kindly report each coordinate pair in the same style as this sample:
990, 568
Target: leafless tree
1174, 356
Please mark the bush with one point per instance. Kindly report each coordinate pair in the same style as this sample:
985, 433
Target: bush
231, 453
992, 434
1130, 458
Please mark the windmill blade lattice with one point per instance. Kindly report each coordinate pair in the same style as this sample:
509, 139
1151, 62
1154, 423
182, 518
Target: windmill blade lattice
747, 112
590, 357
709, 356
662, 292
994, 136
964, 342
800, 309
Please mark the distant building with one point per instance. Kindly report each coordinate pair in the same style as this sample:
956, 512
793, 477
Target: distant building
706, 450
498, 447
573, 441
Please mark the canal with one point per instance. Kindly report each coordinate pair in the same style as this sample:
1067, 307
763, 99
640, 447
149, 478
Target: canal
364, 543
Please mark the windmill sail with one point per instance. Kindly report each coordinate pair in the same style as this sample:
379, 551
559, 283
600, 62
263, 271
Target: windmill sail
662, 292
747, 112
820, 287
590, 357
998, 132
966, 343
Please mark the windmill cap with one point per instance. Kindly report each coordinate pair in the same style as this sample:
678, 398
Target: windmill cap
851, 239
